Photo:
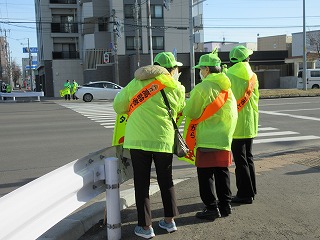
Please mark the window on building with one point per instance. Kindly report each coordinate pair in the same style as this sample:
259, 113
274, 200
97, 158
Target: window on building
158, 43
103, 24
67, 24
65, 51
156, 11
128, 10
131, 43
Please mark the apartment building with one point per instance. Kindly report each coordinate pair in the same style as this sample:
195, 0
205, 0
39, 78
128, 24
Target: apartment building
95, 40
4, 64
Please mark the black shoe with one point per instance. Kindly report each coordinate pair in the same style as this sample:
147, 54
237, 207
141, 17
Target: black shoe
225, 210
245, 200
208, 214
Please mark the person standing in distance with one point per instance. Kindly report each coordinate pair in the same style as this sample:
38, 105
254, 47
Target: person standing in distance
244, 85
212, 101
74, 87
149, 135
67, 88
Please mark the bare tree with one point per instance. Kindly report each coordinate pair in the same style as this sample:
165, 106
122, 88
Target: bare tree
313, 39
16, 73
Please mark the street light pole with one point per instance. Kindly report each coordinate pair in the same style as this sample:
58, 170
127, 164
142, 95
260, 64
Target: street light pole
150, 33
192, 73
304, 73
30, 68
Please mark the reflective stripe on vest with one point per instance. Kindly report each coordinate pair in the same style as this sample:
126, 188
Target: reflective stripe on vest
209, 111
247, 94
144, 94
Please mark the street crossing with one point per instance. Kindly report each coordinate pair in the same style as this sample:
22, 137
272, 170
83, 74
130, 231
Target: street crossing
103, 113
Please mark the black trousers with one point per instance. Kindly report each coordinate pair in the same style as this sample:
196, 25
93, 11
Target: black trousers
245, 169
67, 97
141, 162
214, 186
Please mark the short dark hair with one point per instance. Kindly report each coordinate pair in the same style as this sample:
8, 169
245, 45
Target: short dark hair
169, 69
214, 69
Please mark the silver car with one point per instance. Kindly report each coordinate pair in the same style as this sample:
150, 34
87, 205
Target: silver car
102, 90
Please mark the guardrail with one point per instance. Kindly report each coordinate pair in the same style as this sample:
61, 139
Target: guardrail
15, 95
32, 209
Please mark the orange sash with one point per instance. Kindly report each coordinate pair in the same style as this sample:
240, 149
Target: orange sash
144, 94
247, 94
210, 110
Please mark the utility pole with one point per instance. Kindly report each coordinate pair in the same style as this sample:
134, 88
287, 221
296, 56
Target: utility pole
30, 68
116, 34
150, 32
304, 72
191, 36
8, 58
136, 16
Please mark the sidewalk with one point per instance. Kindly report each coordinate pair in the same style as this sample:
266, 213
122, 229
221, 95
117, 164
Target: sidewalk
286, 206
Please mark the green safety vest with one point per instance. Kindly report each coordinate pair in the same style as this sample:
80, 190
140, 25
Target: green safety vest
247, 125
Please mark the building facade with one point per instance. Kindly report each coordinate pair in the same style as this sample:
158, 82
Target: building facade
95, 40
4, 63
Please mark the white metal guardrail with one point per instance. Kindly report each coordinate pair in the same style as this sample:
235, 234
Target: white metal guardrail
15, 95
32, 209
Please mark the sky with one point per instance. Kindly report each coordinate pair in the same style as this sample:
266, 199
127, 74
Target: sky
229, 20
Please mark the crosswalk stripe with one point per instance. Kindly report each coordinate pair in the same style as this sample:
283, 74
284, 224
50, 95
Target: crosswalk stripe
285, 139
267, 129
105, 116
268, 134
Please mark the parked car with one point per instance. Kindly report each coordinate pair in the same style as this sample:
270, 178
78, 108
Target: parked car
98, 91
313, 78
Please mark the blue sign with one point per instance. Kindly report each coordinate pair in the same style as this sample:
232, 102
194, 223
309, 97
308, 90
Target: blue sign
32, 67
32, 50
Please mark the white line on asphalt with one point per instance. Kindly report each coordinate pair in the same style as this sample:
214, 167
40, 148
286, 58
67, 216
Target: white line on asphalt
276, 133
285, 139
103, 120
109, 127
277, 104
298, 110
267, 129
290, 115
100, 114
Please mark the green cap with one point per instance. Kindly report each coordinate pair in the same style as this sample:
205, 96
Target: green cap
167, 60
209, 60
239, 53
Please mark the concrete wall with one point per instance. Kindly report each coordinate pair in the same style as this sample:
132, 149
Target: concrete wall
268, 79
64, 70
272, 43
288, 82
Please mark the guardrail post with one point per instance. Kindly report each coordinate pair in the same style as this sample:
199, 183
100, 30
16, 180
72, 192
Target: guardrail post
113, 198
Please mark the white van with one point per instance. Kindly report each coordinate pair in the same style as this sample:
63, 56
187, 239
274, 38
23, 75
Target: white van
313, 78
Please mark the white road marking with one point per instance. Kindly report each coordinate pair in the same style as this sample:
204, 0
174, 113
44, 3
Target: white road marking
276, 133
105, 116
267, 129
285, 139
290, 115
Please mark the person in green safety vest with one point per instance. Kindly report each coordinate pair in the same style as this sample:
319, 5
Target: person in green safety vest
244, 85
74, 88
8, 88
149, 135
67, 90
213, 110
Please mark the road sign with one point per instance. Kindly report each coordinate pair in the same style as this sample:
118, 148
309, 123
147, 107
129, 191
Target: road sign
32, 67
32, 50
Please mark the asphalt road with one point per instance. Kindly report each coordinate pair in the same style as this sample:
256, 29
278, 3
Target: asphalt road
38, 137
